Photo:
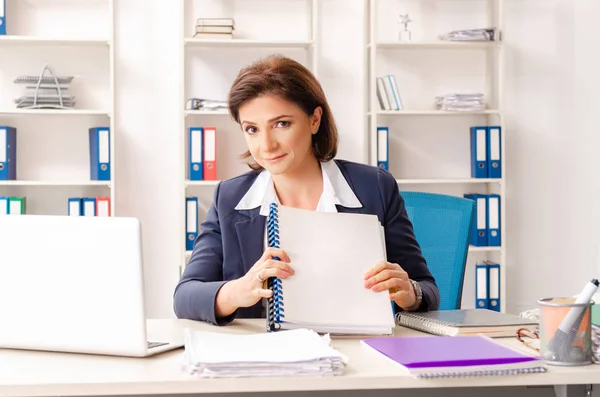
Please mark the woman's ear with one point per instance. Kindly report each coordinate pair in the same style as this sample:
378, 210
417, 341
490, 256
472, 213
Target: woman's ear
315, 120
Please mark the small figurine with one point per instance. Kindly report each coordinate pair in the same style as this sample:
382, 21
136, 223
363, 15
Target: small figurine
404, 34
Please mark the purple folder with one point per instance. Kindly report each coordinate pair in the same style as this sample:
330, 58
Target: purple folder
447, 351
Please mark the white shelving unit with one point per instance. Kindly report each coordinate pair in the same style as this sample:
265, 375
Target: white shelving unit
210, 65
429, 149
77, 39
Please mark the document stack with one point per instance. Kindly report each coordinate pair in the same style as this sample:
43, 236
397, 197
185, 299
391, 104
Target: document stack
45, 92
596, 343
460, 102
489, 34
299, 352
206, 104
214, 28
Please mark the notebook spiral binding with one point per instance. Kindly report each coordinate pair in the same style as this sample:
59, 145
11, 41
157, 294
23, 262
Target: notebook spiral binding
496, 372
275, 311
431, 326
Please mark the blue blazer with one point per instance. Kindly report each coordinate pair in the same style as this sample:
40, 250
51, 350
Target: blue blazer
231, 241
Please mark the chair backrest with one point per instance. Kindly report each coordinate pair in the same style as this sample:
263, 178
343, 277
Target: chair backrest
442, 226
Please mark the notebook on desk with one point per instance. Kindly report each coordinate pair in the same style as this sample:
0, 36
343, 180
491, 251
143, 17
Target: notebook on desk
465, 322
448, 357
330, 253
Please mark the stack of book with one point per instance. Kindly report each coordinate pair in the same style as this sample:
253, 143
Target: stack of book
214, 28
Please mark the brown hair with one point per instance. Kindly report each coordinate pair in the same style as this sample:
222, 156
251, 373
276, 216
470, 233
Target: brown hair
290, 80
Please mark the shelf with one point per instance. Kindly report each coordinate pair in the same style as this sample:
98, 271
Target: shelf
54, 112
473, 248
440, 181
206, 113
56, 183
201, 183
433, 112
247, 43
438, 44
51, 41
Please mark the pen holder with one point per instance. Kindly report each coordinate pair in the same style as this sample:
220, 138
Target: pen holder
565, 331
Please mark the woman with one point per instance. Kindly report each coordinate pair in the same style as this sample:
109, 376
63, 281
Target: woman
292, 140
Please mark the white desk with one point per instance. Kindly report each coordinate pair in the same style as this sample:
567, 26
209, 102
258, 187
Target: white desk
32, 373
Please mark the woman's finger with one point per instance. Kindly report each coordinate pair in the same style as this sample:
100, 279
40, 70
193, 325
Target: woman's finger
272, 272
271, 263
391, 284
385, 275
275, 252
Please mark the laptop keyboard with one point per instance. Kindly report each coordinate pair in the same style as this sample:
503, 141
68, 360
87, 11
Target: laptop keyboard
156, 344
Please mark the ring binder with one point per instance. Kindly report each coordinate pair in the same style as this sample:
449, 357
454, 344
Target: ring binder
275, 311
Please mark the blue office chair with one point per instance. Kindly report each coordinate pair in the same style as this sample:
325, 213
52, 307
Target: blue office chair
442, 226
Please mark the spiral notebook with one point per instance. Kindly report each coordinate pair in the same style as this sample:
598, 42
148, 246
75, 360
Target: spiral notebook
330, 253
452, 357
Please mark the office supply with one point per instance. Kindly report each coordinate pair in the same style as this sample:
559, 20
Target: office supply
460, 102
330, 253
8, 153
383, 147
447, 357
479, 152
481, 286
494, 286
99, 141
4, 206
2, 17
49, 92
493, 220
214, 28
575, 319
196, 168
88, 206
16, 205
80, 290
74, 206
384, 100
299, 352
494, 151
393, 93
191, 222
102, 206
479, 227
210, 153
464, 322
481, 34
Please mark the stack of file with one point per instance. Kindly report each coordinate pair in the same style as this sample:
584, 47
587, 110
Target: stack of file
214, 28
460, 102
490, 34
206, 104
299, 352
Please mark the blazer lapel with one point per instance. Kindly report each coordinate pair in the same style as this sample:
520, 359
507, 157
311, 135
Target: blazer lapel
251, 235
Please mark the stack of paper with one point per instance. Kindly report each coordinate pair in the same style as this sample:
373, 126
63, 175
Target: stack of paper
299, 352
460, 102
596, 343
486, 34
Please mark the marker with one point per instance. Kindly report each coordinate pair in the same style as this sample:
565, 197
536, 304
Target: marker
561, 344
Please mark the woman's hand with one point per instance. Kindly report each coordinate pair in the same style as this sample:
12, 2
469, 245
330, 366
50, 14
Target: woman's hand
250, 288
391, 277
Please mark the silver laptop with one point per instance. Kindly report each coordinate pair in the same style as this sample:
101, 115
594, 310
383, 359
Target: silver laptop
74, 284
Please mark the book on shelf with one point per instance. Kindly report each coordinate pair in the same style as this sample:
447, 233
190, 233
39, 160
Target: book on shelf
214, 28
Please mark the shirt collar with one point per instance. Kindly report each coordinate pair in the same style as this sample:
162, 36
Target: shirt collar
336, 191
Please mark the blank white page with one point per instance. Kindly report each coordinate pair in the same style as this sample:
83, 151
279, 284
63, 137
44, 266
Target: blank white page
330, 253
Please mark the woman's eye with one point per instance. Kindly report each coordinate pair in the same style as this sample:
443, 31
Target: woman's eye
251, 130
283, 123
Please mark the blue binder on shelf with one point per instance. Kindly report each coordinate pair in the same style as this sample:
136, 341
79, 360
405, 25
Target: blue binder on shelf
196, 147
494, 151
2, 17
479, 149
493, 220
494, 286
8, 153
4, 205
481, 286
479, 227
88, 206
75, 207
99, 153
383, 147
191, 222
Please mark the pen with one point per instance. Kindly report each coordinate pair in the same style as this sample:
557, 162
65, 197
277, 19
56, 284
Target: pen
560, 344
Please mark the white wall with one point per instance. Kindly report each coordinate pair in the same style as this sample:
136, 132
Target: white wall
551, 82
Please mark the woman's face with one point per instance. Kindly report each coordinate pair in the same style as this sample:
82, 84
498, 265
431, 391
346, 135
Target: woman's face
278, 133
